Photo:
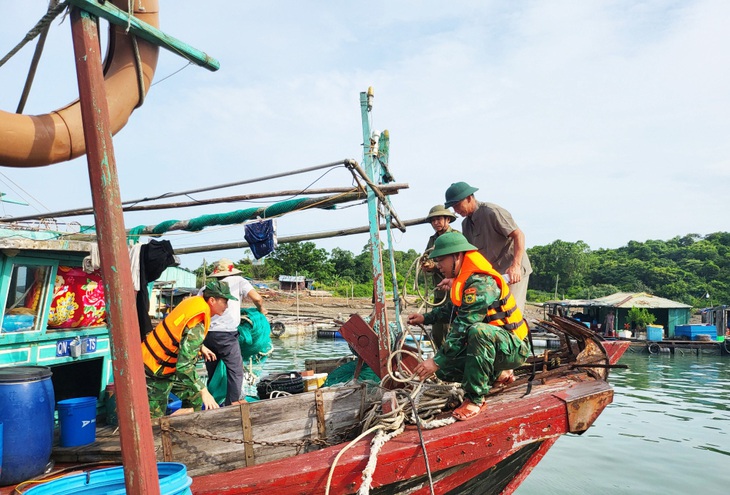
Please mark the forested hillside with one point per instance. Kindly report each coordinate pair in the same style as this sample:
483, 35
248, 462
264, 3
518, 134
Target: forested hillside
691, 269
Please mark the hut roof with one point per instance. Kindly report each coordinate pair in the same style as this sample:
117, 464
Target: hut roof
625, 300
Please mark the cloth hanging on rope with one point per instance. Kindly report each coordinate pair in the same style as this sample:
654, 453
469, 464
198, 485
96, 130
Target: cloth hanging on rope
154, 257
261, 237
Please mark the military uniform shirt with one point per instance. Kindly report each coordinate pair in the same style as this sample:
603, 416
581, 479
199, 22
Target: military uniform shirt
188, 356
488, 228
479, 292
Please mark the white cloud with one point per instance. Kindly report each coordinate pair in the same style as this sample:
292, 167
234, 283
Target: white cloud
595, 121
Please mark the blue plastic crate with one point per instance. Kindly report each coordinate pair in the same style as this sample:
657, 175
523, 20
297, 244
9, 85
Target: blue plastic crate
694, 331
654, 333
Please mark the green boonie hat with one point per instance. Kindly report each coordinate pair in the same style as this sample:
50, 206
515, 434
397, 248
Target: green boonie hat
458, 191
450, 243
440, 211
217, 288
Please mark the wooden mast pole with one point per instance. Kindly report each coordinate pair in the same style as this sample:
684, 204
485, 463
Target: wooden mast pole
379, 321
138, 453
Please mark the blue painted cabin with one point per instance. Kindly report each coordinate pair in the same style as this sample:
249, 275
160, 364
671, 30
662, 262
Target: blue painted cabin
29, 268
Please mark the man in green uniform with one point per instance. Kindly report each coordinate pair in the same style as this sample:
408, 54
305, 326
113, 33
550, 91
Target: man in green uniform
440, 218
486, 338
171, 351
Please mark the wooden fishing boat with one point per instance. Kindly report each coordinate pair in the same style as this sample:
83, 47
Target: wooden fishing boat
298, 444
301, 444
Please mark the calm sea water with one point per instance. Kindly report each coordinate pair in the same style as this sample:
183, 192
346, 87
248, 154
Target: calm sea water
667, 430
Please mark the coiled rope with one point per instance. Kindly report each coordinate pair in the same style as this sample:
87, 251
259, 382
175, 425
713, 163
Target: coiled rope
416, 266
417, 402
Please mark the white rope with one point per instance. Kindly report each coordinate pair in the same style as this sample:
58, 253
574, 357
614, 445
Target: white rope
376, 444
341, 452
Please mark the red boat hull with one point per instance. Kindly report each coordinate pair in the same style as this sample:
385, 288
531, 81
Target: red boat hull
492, 453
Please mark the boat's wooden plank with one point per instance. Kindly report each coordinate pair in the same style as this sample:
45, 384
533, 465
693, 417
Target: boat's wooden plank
105, 448
215, 441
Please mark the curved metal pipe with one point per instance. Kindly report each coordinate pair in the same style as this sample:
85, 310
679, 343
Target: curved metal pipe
39, 140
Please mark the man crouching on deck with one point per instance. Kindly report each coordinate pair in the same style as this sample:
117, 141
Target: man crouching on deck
171, 350
486, 338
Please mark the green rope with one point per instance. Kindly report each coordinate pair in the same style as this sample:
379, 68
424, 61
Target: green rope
232, 218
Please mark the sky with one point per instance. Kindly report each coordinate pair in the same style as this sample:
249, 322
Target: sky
603, 121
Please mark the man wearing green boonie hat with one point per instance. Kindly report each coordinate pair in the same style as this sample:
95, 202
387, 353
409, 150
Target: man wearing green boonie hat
494, 232
486, 339
171, 351
440, 218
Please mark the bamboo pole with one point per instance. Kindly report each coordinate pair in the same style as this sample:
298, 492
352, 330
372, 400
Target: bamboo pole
293, 238
387, 190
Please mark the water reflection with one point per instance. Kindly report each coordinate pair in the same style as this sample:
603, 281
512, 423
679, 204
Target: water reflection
670, 415
291, 352
667, 430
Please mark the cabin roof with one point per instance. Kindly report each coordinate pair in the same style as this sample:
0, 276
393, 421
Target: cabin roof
624, 300
44, 240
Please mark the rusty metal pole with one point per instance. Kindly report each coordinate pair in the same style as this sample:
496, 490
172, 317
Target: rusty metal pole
138, 453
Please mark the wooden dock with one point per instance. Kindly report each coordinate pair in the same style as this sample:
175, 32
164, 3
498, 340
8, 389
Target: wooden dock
680, 347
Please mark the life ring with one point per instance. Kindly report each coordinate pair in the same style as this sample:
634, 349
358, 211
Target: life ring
278, 329
654, 348
38, 140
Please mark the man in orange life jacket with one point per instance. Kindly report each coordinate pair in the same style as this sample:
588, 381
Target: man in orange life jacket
172, 349
486, 338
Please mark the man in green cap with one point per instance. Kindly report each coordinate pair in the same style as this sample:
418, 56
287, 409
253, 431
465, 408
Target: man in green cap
440, 219
494, 232
171, 351
486, 340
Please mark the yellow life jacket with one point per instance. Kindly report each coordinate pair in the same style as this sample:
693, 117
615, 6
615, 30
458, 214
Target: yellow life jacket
161, 346
503, 312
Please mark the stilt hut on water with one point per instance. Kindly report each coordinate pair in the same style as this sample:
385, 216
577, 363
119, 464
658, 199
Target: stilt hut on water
668, 313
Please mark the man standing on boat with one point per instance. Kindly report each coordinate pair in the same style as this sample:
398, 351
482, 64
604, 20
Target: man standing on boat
494, 232
171, 351
486, 338
440, 218
222, 338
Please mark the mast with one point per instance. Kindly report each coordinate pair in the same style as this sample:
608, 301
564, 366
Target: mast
138, 450
372, 169
138, 453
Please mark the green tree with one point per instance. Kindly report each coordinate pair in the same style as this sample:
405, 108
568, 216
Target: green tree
559, 265
303, 258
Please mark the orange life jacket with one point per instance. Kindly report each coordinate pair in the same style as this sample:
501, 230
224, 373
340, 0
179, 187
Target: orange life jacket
161, 346
504, 311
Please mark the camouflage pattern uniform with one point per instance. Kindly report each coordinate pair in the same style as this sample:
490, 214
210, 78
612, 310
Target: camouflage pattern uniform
438, 329
475, 353
185, 382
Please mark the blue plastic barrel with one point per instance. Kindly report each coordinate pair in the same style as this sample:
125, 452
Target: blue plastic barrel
26, 412
174, 480
77, 421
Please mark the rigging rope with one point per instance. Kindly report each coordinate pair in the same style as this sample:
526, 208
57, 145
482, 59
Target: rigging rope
37, 29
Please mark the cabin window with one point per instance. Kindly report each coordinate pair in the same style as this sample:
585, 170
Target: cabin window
26, 299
